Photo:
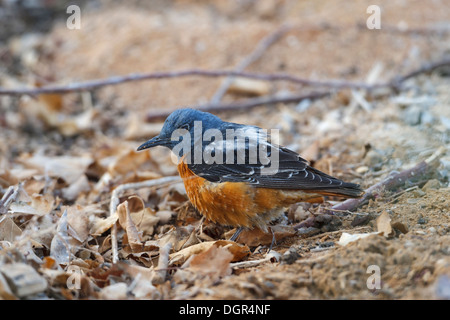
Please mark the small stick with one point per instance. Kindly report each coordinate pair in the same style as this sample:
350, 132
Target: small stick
245, 104
163, 264
336, 84
394, 181
9, 196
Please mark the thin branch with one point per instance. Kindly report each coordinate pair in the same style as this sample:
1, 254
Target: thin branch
395, 83
257, 53
95, 84
244, 104
394, 181
335, 84
163, 264
9, 196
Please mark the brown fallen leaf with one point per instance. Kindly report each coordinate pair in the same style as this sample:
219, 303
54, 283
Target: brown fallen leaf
384, 224
347, 238
257, 237
37, 204
5, 291
144, 218
400, 226
8, 229
138, 128
126, 222
78, 220
60, 248
142, 286
34, 185
66, 167
128, 162
238, 251
75, 189
116, 291
247, 86
100, 225
7, 178
214, 262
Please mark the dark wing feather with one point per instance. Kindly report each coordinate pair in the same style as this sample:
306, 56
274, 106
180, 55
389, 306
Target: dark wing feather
293, 173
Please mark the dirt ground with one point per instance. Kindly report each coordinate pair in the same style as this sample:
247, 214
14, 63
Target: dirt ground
65, 154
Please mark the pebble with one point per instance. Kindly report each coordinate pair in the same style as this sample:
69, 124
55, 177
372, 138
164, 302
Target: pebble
432, 184
432, 230
362, 169
372, 158
412, 115
422, 220
442, 287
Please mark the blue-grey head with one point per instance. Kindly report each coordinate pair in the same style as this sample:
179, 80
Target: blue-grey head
179, 122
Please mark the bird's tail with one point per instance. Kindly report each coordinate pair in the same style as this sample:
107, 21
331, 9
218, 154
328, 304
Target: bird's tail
346, 190
335, 187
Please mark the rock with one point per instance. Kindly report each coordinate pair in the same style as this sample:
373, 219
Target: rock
373, 158
362, 169
290, 256
432, 184
412, 115
422, 220
442, 287
23, 279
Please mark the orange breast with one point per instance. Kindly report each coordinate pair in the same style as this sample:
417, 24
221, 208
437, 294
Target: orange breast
238, 203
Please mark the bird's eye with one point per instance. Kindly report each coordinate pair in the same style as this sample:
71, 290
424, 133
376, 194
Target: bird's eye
185, 126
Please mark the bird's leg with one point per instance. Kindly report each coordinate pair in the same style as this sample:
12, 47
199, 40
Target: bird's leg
199, 228
274, 240
236, 234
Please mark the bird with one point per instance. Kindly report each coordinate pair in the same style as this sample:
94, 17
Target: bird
235, 175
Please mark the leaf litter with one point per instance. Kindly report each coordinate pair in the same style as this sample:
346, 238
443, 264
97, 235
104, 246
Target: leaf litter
62, 158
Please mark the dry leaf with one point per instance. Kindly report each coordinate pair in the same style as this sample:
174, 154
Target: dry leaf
256, 237
78, 220
37, 204
142, 287
239, 251
100, 225
249, 86
214, 263
311, 153
128, 162
138, 128
8, 229
68, 168
60, 246
34, 185
144, 218
5, 291
7, 178
384, 224
72, 192
126, 222
71, 125
347, 238
117, 291
400, 226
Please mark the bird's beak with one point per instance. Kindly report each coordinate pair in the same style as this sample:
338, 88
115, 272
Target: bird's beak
153, 142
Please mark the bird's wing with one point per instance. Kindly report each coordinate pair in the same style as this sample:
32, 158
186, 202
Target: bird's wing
289, 171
